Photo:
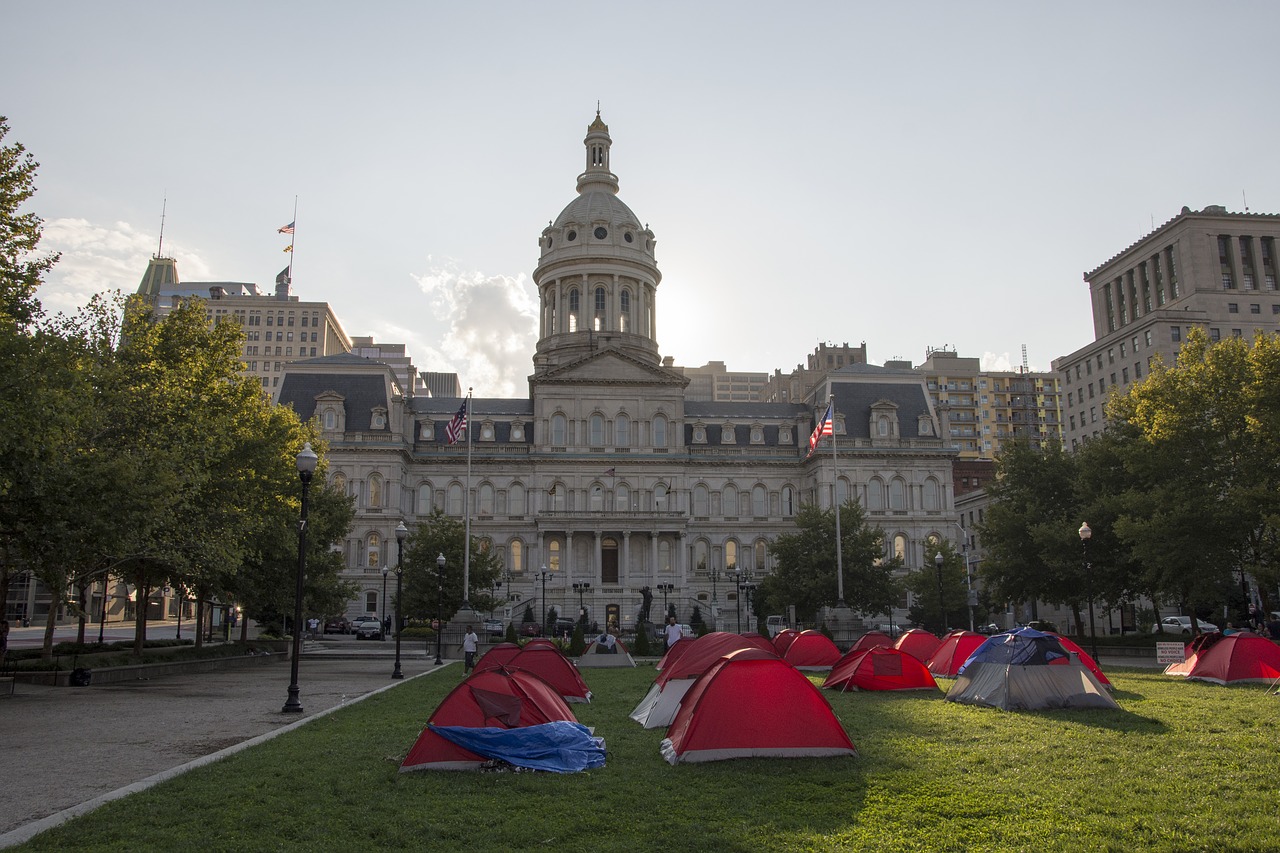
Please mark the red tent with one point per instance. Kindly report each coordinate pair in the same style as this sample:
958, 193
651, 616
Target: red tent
879, 668
542, 643
1086, 659
918, 643
955, 648
659, 706
811, 650
871, 639
554, 668
784, 638
753, 704
497, 697
1243, 656
1192, 652
673, 653
498, 655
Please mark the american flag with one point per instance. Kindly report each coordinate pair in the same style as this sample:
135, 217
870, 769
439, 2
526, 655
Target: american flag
454, 430
823, 428
287, 229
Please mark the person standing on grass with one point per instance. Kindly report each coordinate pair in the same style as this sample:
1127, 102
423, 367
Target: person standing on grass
671, 633
469, 642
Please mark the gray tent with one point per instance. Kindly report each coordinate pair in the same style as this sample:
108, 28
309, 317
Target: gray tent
1034, 687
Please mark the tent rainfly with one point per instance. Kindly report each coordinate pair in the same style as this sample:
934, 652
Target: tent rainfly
879, 668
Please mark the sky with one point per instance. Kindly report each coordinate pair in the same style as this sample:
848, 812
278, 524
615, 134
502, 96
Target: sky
908, 175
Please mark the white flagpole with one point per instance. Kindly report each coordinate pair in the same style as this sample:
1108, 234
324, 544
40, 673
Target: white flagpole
292, 238
466, 511
835, 494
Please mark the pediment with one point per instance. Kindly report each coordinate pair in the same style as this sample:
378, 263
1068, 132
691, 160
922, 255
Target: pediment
609, 367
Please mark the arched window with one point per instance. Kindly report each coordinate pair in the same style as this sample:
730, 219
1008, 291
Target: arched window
553, 555
897, 494
575, 309
375, 490
875, 494
375, 550
762, 555
622, 431
597, 430
340, 483
516, 499
624, 316
882, 426
730, 555
664, 556
424, 499
660, 497
759, 501
558, 430
622, 498
730, 500
330, 419
455, 500
700, 555
551, 315
900, 546
515, 554
931, 494
600, 309
660, 431
842, 491
485, 499
788, 501
597, 498
701, 500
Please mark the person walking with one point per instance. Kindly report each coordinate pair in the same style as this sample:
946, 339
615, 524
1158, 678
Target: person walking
671, 633
469, 642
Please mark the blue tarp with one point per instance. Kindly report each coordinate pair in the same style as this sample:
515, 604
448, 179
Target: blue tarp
1025, 646
559, 746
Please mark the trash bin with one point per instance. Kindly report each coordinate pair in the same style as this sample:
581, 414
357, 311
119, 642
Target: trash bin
80, 677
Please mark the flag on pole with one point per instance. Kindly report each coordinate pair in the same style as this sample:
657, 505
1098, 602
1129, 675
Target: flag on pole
822, 429
289, 248
286, 229
454, 430
609, 473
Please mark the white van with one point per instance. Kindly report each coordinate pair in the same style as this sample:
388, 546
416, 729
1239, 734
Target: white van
774, 624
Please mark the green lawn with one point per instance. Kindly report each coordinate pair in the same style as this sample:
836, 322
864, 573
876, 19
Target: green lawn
1185, 766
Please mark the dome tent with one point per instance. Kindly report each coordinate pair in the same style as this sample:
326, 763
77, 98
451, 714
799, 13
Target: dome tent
554, 668
1192, 652
955, 649
660, 704
811, 650
1240, 657
918, 643
494, 698
753, 704
1012, 671
871, 639
879, 668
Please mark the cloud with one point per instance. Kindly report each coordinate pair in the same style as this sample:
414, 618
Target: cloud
101, 258
997, 363
488, 329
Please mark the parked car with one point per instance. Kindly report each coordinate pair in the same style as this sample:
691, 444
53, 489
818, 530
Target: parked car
1182, 625
894, 630
369, 629
687, 631
565, 626
530, 629
992, 628
494, 627
337, 625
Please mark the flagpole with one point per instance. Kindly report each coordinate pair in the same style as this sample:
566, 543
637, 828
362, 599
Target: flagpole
835, 494
293, 235
466, 511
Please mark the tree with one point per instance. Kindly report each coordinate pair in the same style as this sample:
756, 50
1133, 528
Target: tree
435, 535
805, 573
927, 609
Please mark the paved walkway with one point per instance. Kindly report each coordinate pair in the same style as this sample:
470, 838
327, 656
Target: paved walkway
65, 748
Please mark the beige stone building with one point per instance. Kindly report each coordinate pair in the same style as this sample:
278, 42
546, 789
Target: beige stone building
610, 473
1207, 268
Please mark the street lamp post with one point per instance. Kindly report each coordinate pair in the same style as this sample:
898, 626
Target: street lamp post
742, 580
385, 571
439, 606
543, 612
715, 576
306, 463
942, 606
581, 588
402, 533
1085, 535
665, 588
968, 573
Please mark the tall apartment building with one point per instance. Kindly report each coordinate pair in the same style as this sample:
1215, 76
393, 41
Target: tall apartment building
279, 328
799, 383
714, 383
1207, 268
981, 410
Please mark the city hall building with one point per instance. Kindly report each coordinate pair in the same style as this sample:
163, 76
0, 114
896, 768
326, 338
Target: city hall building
609, 474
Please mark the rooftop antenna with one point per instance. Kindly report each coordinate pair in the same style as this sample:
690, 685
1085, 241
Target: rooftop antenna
1245, 199
163, 207
1025, 368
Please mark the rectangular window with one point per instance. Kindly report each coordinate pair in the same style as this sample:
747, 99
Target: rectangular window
1137, 370
1175, 332
1124, 374
1111, 355
1233, 308
1122, 352
1255, 308
1146, 337
1235, 333
1093, 414
1215, 335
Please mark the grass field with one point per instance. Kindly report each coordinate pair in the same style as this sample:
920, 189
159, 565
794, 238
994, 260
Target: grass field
1184, 766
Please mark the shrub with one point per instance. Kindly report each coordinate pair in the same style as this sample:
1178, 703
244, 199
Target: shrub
578, 644
510, 635
641, 645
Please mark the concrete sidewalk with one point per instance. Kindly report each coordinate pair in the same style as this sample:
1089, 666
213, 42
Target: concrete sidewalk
66, 746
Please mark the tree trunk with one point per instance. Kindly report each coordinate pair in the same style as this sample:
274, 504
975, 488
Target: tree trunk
141, 594
83, 588
199, 621
50, 621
